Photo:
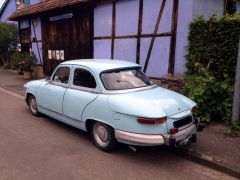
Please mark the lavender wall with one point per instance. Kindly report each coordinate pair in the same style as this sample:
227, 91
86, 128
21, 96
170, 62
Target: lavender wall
103, 20
185, 10
127, 24
35, 1
127, 17
188, 10
38, 37
9, 9
208, 8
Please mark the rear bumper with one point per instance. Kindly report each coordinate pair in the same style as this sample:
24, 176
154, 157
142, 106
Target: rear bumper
144, 139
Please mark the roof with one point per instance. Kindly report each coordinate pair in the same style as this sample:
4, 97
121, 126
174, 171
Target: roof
100, 65
44, 7
3, 4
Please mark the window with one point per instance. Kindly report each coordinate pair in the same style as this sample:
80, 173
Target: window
125, 79
84, 78
62, 75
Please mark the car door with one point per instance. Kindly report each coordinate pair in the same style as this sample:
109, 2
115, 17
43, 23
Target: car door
82, 91
50, 96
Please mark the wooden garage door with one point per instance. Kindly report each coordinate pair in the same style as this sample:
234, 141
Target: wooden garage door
66, 37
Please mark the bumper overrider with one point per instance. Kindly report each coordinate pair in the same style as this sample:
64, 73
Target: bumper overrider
188, 134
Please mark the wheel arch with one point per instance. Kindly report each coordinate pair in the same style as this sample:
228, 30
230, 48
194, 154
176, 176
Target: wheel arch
88, 123
28, 94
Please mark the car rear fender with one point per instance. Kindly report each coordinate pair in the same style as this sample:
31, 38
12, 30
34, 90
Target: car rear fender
99, 110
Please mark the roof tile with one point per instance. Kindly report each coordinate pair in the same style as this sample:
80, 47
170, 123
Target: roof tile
44, 6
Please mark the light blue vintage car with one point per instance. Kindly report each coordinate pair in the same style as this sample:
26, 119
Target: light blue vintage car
113, 101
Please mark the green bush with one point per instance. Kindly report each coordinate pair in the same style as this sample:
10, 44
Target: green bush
16, 59
214, 98
27, 61
8, 35
211, 63
213, 44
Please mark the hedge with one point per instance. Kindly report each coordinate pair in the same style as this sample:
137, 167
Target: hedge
211, 62
213, 45
8, 35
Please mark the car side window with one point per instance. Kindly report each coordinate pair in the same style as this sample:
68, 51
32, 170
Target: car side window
62, 75
84, 78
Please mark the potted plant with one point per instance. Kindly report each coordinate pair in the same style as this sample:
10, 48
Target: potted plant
17, 61
28, 65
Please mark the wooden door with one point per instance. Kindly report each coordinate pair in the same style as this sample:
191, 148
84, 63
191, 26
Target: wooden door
71, 35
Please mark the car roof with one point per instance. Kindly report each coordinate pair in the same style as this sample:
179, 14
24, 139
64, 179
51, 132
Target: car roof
100, 65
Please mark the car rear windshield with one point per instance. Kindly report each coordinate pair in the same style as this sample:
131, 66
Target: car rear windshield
125, 79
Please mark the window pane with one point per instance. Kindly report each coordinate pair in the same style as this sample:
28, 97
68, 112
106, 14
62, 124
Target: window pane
83, 78
125, 79
62, 75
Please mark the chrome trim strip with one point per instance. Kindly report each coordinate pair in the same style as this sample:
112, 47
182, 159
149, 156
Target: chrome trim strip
83, 89
61, 114
129, 90
139, 138
58, 84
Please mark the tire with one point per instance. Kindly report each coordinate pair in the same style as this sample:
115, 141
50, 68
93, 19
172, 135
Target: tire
32, 104
103, 136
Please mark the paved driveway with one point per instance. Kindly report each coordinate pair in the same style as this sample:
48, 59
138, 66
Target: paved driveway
43, 148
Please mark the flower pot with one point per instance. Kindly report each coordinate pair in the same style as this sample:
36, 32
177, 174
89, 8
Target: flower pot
27, 75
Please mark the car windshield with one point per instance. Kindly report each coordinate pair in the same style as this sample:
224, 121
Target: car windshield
125, 79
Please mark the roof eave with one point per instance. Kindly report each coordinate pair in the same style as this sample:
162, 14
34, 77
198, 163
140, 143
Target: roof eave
24, 13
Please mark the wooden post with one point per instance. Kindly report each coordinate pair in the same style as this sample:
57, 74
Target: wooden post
236, 96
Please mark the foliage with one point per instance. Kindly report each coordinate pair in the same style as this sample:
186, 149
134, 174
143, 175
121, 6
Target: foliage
24, 59
8, 35
213, 46
235, 130
16, 59
214, 98
211, 63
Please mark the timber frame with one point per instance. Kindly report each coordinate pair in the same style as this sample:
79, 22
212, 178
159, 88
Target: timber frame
172, 34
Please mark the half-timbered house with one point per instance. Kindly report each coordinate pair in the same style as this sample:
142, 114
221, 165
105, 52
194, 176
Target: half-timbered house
152, 33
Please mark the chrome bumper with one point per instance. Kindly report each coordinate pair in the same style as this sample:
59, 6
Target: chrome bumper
144, 139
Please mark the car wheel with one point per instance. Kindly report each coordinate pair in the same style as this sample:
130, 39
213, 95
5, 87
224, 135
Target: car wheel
103, 136
32, 103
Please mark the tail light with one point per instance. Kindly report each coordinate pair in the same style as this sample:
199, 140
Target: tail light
151, 121
173, 130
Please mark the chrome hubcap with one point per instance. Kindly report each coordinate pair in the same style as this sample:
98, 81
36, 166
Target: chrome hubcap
101, 134
33, 105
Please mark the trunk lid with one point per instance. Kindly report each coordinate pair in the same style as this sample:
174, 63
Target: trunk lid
150, 103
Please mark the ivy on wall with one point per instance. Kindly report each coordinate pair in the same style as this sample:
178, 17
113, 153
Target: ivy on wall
211, 63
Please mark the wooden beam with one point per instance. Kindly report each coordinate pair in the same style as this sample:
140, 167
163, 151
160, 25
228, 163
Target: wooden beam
165, 34
173, 38
34, 31
153, 38
140, 16
225, 7
113, 29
